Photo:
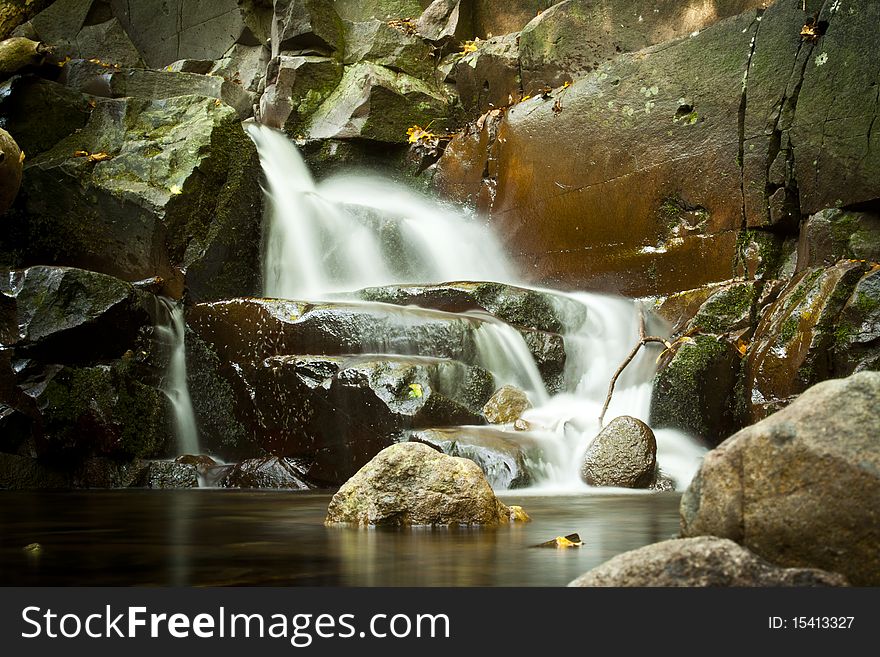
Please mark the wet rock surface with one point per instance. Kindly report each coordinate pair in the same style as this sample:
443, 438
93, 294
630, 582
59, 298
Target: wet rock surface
414, 484
506, 405
269, 472
623, 454
705, 561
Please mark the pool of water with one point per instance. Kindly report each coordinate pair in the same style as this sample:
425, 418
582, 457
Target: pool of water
247, 538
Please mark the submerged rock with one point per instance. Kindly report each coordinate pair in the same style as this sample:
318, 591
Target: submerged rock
506, 405
623, 454
413, 484
705, 561
785, 487
503, 458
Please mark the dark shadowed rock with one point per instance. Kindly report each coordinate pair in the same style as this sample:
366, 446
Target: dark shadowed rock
623, 454
698, 389
25, 473
19, 53
16, 12
10, 170
489, 76
268, 472
304, 24
503, 458
169, 475
831, 235
784, 487
705, 561
506, 405
857, 336
376, 41
295, 88
413, 484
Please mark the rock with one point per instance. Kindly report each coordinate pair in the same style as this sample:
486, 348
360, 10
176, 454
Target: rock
492, 18
201, 461
62, 111
169, 475
444, 21
698, 389
831, 235
338, 412
574, 37
106, 41
242, 65
102, 410
489, 77
857, 335
380, 9
377, 42
103, 472
506, 405
810, 491
269, 472
727, 310
503, 458
11, 158
25, 473
18, 53
306, 24
56, 307
792, 346
178, 189
15, 12
705, 561
374, 102
623, 454
295, 88
571, 540
413, 484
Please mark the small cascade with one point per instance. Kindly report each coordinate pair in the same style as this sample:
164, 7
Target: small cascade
170, 329
355, 231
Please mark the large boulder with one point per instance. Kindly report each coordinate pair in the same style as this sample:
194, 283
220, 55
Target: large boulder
10, 170
306, 24
704, 561
296, 86
507, 460
338, 412
857, 336
378, 42
698, 389
413, 484
146, 188
623, 454
18, 54
268, 472
800, 488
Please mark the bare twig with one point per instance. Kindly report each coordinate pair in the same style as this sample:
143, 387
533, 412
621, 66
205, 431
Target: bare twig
643, 340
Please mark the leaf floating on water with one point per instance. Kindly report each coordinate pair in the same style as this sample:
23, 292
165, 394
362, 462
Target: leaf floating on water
415, 391
572, 540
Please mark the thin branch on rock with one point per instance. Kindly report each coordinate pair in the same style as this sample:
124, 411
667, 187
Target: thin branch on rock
643, 340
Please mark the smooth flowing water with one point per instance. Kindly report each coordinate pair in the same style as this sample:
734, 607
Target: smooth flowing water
354, 231
223, 537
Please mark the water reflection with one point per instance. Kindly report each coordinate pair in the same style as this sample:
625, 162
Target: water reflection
211, 538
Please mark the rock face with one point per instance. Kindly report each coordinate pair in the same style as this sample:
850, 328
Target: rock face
785, 487
10, 170
169, 475
704, 561
145, 187
563, 164
269, 472
506, 405
623, 454
413, 484
489, 77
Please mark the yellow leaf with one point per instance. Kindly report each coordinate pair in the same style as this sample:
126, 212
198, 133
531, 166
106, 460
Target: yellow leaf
470, 46
525, 98
175, 189
567, 84
415, 391
21, 157
99, 157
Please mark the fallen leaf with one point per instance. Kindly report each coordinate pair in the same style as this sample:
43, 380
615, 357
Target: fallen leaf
415, 391
21, 157
175, 189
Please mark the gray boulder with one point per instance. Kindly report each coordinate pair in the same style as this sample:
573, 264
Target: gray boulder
705, 561
413, 484
623, 454
800, 488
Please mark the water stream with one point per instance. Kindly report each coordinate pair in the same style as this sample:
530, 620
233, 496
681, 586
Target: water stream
353, 231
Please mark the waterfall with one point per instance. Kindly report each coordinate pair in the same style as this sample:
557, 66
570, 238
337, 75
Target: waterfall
171, 331
354, 231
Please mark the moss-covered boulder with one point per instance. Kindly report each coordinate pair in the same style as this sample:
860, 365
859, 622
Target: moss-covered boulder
703, 561
148, 186
296, 86
697, 389
374, 102
857, 334
793, 343
508, 460
413, 484
784, 487
10, 170
831, 235
378, 42
624, 454
727, 310
102, 410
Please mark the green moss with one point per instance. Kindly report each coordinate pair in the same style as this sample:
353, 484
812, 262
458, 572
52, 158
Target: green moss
726, 308
788, 330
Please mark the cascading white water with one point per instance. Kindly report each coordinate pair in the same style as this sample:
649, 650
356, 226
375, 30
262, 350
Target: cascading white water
354, 231
171, 330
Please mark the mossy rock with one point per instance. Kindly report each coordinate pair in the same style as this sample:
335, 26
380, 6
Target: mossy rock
857, 333
727, 310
